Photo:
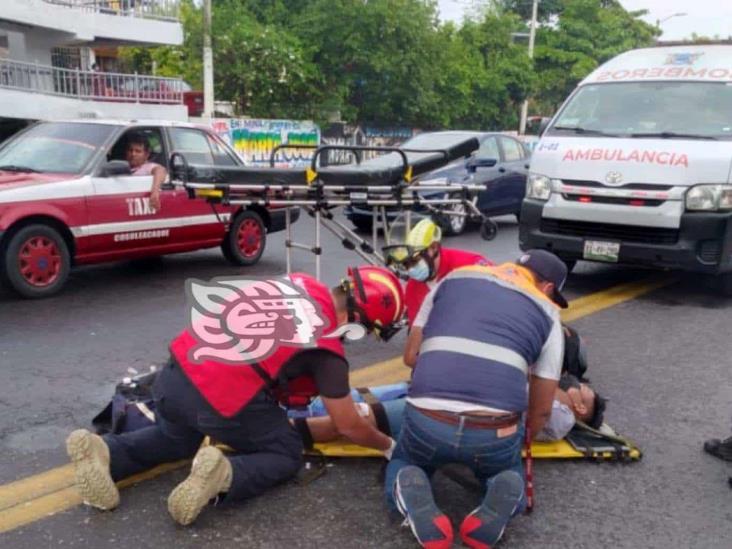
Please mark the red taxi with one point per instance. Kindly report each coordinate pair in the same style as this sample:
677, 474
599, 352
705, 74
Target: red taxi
67, 197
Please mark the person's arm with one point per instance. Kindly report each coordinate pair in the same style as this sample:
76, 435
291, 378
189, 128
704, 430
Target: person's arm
541, 397
349, 424
544, 379
414, 341
411, 349
160, 174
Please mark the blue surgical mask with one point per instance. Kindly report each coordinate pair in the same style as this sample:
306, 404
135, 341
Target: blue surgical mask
420, 271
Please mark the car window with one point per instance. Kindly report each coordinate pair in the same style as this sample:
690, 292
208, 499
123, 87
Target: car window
511, 149
489, 149
222, 157
152, 136
193, 144
58, 147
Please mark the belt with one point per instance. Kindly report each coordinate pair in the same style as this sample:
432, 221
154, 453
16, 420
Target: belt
472, 422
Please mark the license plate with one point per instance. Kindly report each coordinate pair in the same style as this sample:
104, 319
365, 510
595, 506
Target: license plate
598, 250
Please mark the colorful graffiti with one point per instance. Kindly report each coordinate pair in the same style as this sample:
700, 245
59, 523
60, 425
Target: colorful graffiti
367, 136
255, 139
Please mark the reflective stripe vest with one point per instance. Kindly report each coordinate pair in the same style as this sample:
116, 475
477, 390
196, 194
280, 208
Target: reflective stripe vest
450, 259
486, 327
229, 388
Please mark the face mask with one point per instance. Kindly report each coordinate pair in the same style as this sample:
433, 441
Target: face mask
420, 271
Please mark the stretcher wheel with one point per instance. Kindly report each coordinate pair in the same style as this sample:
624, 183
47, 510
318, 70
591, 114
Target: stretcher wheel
488, 229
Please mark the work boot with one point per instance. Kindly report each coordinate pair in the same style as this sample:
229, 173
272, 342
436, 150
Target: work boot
482, 528
90, 456
719, 448
210, 475
414, 500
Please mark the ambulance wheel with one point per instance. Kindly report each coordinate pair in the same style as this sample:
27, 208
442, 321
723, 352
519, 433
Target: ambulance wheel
36, 261
244, 243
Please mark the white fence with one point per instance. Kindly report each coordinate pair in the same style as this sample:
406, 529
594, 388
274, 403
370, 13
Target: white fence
100, 86
151, 9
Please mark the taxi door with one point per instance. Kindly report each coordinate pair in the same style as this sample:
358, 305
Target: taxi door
122, 223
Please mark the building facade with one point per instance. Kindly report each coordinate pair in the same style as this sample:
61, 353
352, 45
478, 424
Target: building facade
49, 70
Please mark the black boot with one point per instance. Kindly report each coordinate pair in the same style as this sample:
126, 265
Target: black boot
719, 448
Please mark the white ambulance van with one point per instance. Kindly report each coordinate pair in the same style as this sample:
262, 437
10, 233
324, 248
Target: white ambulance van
635, 167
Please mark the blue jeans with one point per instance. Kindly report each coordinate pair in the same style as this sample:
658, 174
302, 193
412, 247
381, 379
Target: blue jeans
430, 444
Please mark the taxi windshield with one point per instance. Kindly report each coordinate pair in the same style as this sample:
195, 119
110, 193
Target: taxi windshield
57, 147
663, 110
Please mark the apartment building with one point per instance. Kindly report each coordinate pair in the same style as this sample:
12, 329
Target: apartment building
49, 69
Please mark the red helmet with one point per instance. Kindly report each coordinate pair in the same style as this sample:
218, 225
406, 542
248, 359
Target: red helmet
376, 296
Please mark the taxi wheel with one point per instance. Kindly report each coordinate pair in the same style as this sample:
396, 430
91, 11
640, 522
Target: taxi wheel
244, 243
36, 261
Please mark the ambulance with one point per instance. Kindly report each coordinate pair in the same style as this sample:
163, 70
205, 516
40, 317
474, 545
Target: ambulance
635, 167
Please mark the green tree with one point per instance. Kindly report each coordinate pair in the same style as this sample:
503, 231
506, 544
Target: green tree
500, 72
377, 58
587, 33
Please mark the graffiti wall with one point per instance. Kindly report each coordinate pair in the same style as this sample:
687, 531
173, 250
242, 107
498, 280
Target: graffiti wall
342, 134
255, 139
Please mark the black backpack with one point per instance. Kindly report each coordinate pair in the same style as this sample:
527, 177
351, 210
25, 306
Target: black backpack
132, 406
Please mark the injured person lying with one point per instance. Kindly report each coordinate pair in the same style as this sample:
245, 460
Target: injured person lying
384, 405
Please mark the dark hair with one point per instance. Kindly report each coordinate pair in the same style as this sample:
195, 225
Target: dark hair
598, 413
138, 139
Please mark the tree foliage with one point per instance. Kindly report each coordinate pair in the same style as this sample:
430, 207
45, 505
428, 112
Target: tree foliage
393, 62
587, 33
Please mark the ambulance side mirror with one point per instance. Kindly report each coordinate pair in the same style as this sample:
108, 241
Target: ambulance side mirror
115, 168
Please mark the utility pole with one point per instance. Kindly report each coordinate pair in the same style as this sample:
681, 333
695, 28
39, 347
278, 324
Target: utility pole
532, 36
208, 77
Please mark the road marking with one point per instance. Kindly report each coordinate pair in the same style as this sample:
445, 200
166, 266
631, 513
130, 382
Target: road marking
39, 496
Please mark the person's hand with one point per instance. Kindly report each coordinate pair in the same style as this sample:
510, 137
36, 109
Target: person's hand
390, 451
155, 199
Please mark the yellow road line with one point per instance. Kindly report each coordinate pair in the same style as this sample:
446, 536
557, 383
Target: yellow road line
59, 496
33, 498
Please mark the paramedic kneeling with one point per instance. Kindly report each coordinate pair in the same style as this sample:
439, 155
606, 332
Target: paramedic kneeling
479, 336
241, 404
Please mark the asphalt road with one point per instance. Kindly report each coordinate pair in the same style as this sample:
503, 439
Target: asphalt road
662, 359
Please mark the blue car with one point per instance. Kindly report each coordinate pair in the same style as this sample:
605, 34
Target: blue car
501, 163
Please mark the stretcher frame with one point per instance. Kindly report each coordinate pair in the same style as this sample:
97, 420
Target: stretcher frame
319, 195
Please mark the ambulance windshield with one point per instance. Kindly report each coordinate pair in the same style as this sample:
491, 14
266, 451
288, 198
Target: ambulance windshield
666, 110
57, 147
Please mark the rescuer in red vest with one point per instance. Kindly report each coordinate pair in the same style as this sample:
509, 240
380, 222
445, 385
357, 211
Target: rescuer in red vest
241, 403
425, 261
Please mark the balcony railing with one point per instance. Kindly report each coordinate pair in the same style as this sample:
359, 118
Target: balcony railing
167, 10
89, 85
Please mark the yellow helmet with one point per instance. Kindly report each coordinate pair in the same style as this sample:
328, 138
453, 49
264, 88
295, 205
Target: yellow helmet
422, 236
424, 233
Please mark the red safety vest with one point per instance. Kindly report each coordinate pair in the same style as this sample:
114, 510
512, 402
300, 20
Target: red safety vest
229, 388
450, 259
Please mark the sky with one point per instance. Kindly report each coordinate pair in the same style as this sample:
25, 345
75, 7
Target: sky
704, 17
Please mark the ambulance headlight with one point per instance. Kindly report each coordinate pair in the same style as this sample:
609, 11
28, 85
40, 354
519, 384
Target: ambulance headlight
709, 198
538, 186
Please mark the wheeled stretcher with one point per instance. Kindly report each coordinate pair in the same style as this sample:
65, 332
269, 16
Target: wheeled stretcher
391, 181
